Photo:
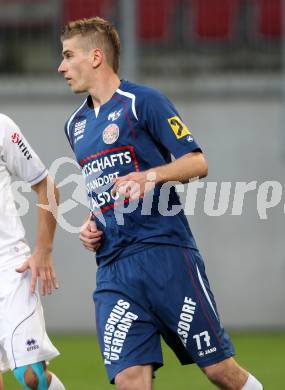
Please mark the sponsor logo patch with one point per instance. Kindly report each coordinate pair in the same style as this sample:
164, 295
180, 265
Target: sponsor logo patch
111, 134
178, 127
114, 115
32, 345
101, 170
16, 139
116, 330
79, 128
185, 319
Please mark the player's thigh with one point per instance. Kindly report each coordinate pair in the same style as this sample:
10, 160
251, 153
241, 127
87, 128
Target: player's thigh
126, 332
185, 307
136, 377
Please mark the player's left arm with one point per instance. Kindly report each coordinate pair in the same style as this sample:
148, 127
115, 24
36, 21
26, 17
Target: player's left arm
135, 184
41, 260
160, 119
191, 165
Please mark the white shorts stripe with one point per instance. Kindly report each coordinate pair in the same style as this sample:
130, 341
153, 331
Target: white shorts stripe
205, 291
133, 99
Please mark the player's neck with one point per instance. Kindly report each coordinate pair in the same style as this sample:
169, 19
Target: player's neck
104, 88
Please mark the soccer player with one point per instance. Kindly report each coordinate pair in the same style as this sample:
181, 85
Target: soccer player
151, 280
24, 344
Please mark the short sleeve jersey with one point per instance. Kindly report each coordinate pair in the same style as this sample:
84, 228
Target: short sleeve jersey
136, 130
17, 158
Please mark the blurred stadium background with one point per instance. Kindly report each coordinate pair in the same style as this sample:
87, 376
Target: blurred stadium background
223, 64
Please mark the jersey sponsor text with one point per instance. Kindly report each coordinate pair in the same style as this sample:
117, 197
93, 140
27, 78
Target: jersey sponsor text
116, 329
16, 139
186, 317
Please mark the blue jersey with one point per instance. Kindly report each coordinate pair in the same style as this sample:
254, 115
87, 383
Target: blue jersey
137, 129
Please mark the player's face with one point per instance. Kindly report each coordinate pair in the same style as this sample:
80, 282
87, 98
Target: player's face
76, 65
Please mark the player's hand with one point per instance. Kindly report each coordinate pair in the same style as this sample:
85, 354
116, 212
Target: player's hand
135, 184
42, 269
90, 236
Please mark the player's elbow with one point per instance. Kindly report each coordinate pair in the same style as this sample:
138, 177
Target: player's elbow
47, 190
53, 190
202, 166
203, 169
56, 194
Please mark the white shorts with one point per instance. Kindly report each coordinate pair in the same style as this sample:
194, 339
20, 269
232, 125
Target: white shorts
23, 338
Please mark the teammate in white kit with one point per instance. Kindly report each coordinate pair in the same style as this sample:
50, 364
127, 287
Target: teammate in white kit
24, 344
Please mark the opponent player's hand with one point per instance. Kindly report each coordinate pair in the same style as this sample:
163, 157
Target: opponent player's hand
90, 236
42, 269
135, 184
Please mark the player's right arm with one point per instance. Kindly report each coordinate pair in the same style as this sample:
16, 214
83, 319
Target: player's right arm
90, 236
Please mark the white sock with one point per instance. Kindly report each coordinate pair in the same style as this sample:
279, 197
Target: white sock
55, 383
252, 384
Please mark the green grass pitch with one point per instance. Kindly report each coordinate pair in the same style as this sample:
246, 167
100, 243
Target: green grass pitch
80, 366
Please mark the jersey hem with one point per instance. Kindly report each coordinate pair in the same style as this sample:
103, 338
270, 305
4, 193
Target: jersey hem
142, 246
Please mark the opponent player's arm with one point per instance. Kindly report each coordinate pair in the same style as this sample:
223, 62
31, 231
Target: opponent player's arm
48, 198
41, 261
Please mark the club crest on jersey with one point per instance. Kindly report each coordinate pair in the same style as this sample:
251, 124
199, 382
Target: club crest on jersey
114, 115
16, 139
111, 134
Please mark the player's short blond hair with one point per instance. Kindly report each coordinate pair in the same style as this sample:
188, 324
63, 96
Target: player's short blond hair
100, 33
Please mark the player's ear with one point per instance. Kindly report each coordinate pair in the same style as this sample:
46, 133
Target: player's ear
97, 57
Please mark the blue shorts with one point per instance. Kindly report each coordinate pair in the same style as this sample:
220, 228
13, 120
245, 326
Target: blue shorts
160, 291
